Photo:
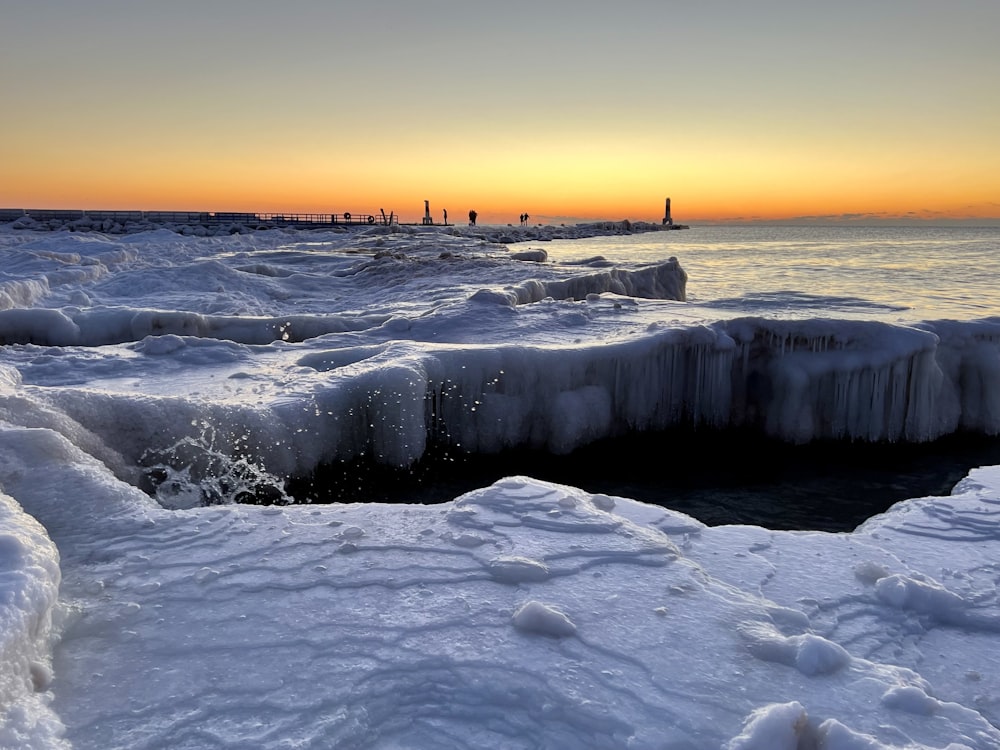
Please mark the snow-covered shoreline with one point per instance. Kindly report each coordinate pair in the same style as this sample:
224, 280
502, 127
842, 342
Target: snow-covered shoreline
524, 614
521, 615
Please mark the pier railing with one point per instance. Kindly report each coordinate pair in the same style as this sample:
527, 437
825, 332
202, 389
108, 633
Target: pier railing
360, 218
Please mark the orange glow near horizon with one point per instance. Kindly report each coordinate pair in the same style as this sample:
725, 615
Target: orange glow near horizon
722, 187
324, 111
585, 176
592, 190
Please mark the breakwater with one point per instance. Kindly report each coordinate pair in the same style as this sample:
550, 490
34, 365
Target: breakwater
81, 219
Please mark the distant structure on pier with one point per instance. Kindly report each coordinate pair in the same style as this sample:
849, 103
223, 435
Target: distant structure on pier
108, 220
427, 213
667, 220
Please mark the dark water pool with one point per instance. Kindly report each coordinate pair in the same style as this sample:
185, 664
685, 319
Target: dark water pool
717, 477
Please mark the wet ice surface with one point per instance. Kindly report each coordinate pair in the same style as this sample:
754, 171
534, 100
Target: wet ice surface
522, 614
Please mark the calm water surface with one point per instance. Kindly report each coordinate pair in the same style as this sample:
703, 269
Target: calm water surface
895, 274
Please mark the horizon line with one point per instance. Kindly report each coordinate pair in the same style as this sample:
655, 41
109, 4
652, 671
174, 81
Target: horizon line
851, 219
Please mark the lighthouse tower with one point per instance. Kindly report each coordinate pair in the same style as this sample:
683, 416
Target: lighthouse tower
667, 220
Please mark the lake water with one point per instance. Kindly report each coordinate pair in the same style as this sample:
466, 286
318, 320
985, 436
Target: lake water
894, 274
718, 478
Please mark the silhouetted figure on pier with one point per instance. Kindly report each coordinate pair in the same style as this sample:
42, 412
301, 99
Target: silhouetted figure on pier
446, 217
472, 217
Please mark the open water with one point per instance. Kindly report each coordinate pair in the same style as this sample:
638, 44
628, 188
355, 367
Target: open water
893, 274
718, 478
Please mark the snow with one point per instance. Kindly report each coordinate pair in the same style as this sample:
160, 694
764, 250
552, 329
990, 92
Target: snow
146, 374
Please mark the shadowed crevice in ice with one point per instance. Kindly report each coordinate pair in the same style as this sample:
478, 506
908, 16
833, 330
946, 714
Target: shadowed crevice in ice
715, 476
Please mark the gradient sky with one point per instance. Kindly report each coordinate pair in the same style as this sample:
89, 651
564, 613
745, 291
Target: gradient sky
564, 109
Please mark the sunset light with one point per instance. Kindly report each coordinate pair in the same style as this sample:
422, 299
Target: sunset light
522, 375
598, 113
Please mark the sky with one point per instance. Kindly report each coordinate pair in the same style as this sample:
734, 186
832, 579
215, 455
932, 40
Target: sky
736, 111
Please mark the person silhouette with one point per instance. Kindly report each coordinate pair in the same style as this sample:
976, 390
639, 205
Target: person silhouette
472, 217
446, 217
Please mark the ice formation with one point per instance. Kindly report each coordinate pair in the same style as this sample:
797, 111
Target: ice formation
522, 614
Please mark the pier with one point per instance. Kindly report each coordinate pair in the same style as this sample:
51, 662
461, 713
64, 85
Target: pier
84, 219
216, 222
